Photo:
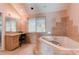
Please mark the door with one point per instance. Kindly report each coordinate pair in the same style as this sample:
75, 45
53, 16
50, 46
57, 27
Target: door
0, 31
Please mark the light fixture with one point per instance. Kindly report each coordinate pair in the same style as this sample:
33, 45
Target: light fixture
31, 8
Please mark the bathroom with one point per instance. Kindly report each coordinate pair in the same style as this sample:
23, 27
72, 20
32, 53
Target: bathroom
51, 28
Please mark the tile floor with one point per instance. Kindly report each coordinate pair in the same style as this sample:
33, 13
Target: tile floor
26, 49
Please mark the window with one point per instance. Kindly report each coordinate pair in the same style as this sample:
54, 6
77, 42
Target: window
40, 22
32, 25
10, 25
0, 24
36, 24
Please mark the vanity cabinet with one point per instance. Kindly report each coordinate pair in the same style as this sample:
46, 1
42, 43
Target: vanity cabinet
11, 41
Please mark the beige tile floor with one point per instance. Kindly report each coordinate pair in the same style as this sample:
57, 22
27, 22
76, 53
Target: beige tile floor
26, 49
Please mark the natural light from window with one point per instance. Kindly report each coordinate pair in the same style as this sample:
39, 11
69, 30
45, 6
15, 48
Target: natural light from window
10, 25
36, 24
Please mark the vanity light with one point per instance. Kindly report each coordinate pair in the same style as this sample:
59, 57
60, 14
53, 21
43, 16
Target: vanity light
21, 10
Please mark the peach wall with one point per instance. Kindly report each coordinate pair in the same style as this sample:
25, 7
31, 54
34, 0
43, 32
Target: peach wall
74, 14
74, 22
22, 25
60, 27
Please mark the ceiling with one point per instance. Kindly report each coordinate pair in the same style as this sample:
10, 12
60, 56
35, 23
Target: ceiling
44, 7
25, 9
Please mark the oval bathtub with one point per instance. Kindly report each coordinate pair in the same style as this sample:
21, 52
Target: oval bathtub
65, 45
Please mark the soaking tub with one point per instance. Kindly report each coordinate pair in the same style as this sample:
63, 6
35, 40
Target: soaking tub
60, 45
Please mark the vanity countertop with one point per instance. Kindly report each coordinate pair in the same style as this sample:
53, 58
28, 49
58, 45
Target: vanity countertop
13, 34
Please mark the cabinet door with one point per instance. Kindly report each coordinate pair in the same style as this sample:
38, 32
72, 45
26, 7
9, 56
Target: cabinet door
8, 43
15, 42
11, 42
